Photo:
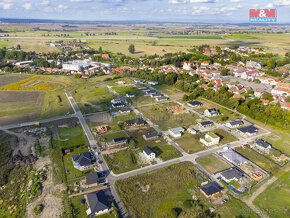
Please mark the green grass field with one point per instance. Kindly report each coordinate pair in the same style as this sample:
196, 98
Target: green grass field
4, 43
55, 104
275, 199
93, 99
212, 163
258, 159
190, 143
225, 136
159, 115
157, 193
192, 37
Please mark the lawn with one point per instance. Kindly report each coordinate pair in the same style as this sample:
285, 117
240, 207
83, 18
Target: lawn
170, 184
4, 43
192, 37
159, 115
123, 90
79, 210
225, 136
106, 137
55, 104
159, 192
93, 99
212, 163
6, 79
258, 159
122, 161
279, 140
190, 143
275, 199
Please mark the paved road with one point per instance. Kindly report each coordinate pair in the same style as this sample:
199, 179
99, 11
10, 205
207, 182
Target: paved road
36, 122
93, 145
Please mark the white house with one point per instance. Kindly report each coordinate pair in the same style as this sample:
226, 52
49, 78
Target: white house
176, 132
192, 131
263, 145
149, 153
234, 124
253, 64
210, 139
153, 83
211, 112
98, 203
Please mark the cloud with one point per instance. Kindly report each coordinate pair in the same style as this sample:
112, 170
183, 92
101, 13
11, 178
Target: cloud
235, 0
62, 7
5, 5
281, 3
203, 1
27, 6
80, 0
177, 1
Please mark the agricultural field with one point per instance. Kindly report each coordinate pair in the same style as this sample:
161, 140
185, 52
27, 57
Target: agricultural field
213, 164
274, 200
146, 195
6, 79
93, 100
17, 106
159, 115
258, 159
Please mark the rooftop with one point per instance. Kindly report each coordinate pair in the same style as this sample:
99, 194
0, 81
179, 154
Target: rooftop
98, 201
211, 188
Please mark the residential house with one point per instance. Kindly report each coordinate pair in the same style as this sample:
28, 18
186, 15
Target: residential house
206, 124
210, 139
124, 110
98, 203
82, 161
253, 64
118, 105
234, 157
150, 136
162, 98
263, 145
250, 74
248, 130
153, 83
234, 124
92, 179
117, 142
176, 132
192, 131
195, 104
149, 153
210, 190
135, 122
211, 112
258, 93
130, 95
231, 174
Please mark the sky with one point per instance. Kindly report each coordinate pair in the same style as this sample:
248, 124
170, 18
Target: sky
213, 11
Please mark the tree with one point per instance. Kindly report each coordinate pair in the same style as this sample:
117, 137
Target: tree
267, 96
76, 75
18, 47
131, 49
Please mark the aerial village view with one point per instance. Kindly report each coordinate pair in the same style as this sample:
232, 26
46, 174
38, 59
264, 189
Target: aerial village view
169, 108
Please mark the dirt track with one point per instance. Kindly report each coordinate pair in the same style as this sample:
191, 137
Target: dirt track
50, 196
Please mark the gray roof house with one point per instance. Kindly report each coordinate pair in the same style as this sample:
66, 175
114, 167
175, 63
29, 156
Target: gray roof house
233, 173
92, 178
248, 130
263, 145
234, 157
82, 161
234, 124
211, 112
176, 132
98, 203
194, 103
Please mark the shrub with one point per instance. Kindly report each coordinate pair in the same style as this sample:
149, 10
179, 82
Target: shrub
38, 209
188, 203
